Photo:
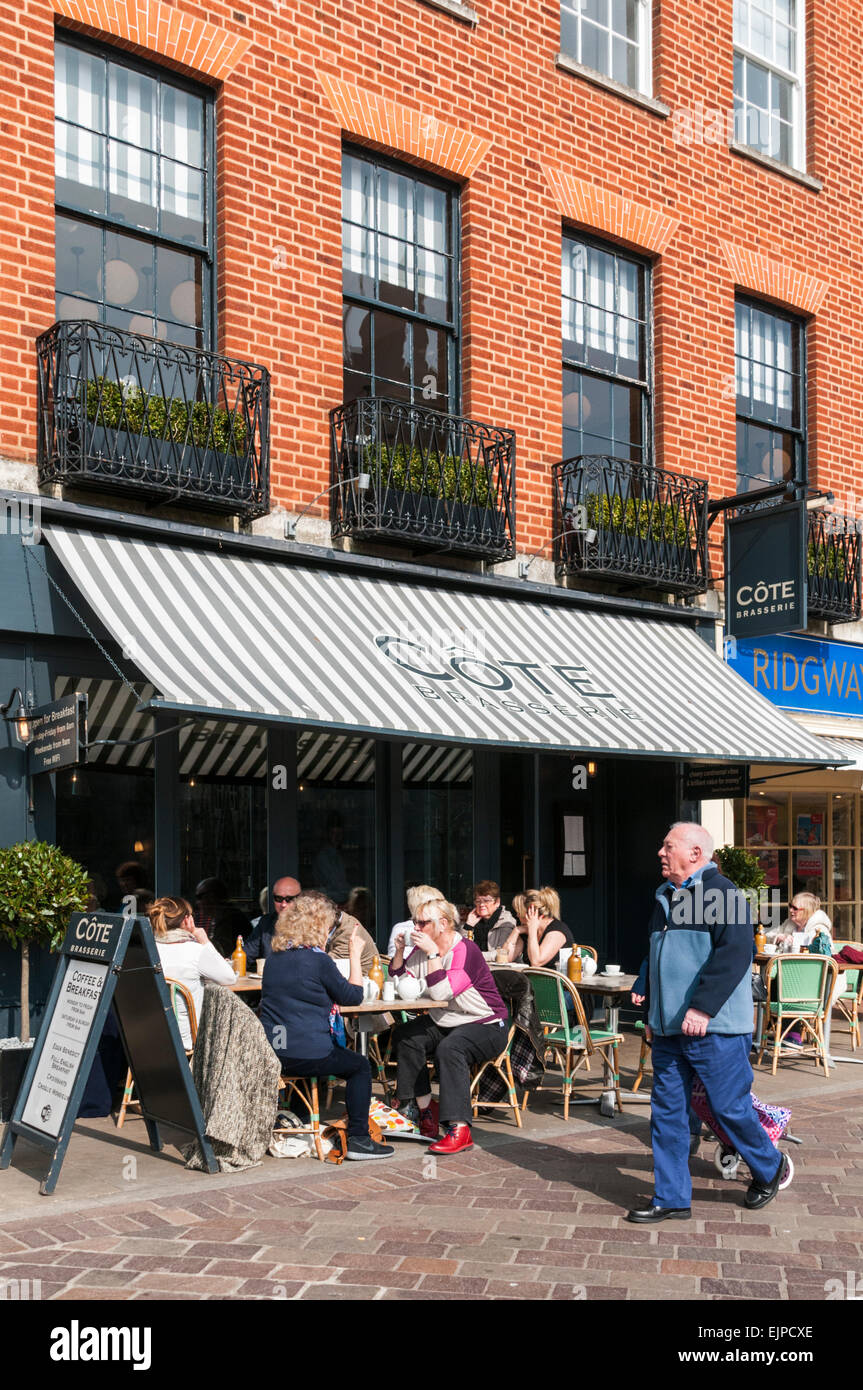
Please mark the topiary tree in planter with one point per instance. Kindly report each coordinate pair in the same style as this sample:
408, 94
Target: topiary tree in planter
745, 873
40, 887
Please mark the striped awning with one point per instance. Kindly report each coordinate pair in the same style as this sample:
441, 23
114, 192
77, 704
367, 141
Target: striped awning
225, 749
252, 638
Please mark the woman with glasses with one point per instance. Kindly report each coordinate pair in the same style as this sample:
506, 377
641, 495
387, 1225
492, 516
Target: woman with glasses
809, 923
471, 1029
490, 922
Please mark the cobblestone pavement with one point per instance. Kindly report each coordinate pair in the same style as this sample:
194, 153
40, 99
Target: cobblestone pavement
534, 1214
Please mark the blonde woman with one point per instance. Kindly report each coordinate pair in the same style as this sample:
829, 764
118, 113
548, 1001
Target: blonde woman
301, 984
187, 955
471, 1029
540, 935
417, 895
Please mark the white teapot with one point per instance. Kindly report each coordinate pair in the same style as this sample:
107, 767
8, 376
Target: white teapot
409, 987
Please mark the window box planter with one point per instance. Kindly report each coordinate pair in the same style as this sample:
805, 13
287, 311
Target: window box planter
630, 524
435, 481
155, 419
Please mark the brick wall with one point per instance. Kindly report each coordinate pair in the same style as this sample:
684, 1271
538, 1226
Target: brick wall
533, 146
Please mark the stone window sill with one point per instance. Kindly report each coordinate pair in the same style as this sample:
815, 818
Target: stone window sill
767, 162
608, 84
454, 7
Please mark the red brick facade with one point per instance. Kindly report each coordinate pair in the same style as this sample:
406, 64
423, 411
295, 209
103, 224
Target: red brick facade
534, 147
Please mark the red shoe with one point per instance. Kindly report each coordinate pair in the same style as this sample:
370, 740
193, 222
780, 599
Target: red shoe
457, 1138
430, 1120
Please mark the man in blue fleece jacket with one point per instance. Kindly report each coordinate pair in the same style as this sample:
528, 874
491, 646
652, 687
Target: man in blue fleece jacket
699, 998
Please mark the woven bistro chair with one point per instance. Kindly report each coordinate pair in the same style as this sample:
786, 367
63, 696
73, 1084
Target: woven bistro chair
179, 995
850, 995
502, 1065
798, 989
569, 1037
305, 1090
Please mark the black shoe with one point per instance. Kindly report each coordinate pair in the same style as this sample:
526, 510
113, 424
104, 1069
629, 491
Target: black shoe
758, 1194
694, 1142
367, 1148
649, 1216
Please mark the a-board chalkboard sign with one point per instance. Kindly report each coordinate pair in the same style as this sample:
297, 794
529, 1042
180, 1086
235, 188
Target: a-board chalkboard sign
105, 959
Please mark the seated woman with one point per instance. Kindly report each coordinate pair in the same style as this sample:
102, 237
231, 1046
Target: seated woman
301, 984
540, 934
805, 917
471, 1029
187, 955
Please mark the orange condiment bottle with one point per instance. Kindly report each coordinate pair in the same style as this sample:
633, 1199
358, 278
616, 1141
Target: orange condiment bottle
760, 939
376, 973
573, 966
238, 959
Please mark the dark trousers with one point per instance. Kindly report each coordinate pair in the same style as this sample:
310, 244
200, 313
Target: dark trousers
455, 1050
722, 1062
352, 1067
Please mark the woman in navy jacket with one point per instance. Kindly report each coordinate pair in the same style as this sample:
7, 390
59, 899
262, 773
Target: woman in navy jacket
300, 986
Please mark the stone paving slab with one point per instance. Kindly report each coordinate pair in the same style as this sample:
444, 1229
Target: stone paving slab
532, 1214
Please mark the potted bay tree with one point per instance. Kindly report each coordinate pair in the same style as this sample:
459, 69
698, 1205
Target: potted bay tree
40, 887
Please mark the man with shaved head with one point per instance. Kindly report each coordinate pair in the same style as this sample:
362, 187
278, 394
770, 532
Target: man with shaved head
259, 943
699, 999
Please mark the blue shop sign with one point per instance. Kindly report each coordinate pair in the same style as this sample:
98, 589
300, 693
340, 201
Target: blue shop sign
802, 673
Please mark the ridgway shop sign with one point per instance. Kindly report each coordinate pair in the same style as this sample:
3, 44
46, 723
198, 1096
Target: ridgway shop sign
765, 571
807, 674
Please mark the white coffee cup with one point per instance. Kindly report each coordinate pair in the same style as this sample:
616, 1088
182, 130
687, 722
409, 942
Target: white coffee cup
613, 970
259, 966
406, 938
770, 949
389, 993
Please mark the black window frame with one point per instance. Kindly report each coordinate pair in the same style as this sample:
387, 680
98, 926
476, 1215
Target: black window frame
105, 222
646, 383
799, 433
452, 328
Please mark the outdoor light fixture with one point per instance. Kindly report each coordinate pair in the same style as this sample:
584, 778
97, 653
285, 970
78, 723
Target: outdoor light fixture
360, 483
21, 718
524, 565
591, 769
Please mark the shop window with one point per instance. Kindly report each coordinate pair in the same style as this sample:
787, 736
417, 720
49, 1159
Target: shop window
606, 352
807, 842
400, 282
437, 814
223, 834
336, 815
771, 414
768, 78
134, 196
610, 36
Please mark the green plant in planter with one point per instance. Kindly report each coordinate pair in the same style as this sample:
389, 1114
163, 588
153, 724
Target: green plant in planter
40, 887
745, 873
445, 476
638, 517
740, 866
826, 560
117, 407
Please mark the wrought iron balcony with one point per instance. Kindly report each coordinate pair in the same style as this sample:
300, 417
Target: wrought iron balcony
629, 523
132, 414
410, 474
833, 566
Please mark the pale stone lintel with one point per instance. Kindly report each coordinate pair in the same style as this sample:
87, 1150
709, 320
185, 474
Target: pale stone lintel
454, 7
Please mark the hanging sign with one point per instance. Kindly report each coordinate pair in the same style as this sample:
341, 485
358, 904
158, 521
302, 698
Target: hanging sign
704, 782
105, 959
58, 734
766, 571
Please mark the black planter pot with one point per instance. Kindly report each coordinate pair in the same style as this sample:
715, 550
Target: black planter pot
137, 460
13, 1062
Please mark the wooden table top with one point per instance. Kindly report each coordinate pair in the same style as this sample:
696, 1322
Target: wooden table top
606, 984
